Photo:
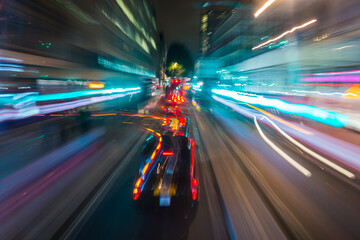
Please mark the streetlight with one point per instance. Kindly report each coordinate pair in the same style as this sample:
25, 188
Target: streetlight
175, 64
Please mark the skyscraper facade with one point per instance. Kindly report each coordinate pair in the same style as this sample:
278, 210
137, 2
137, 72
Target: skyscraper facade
210, 18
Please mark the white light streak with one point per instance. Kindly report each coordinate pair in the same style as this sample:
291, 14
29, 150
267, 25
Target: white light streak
265, 6
284, 34
340, 48
295, 164
312, 153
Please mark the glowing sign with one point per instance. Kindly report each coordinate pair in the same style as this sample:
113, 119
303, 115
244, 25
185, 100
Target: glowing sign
96, 85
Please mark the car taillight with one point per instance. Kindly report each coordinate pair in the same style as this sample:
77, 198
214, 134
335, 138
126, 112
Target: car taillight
136, 193
194, 194
194, 189
167, 153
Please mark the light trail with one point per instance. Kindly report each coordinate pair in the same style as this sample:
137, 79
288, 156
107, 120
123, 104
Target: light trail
77, 94
235, 106
13, 114
196, 105
295, 164
338, 149
103, 114
334, 119
265, 6
333, 79
332, 73
281, 120
33, 96
138, 186
312, 153
285, 33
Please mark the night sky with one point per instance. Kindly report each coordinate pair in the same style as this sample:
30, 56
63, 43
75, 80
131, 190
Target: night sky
179, 21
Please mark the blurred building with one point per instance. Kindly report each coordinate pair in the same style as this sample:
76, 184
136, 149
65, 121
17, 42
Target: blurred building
162, 48
210, 18
115, 41
231, 40
289, 47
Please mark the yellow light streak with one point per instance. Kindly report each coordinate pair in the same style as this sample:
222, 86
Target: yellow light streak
195, 105
353, 92
138, 182
145, 168
281, 120
174, 123
150, 130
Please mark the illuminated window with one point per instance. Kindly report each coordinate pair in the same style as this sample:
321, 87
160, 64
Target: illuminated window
204, 18
203, 27
124, 68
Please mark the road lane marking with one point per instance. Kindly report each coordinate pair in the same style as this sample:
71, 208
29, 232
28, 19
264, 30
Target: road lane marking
295, 164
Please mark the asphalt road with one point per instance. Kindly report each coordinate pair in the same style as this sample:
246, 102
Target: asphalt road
248, 191
113, 214
322, 206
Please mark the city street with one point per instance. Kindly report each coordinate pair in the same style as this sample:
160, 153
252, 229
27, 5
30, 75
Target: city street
176, 120
247, 189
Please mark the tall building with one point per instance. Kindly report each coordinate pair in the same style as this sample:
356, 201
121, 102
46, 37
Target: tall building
210, 18
279, 49
162, 54
230, 41
115, 39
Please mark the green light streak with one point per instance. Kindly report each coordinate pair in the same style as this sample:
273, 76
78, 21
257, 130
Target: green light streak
278, 45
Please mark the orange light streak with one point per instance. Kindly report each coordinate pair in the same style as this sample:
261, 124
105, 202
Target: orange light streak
167, 153
103, 114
